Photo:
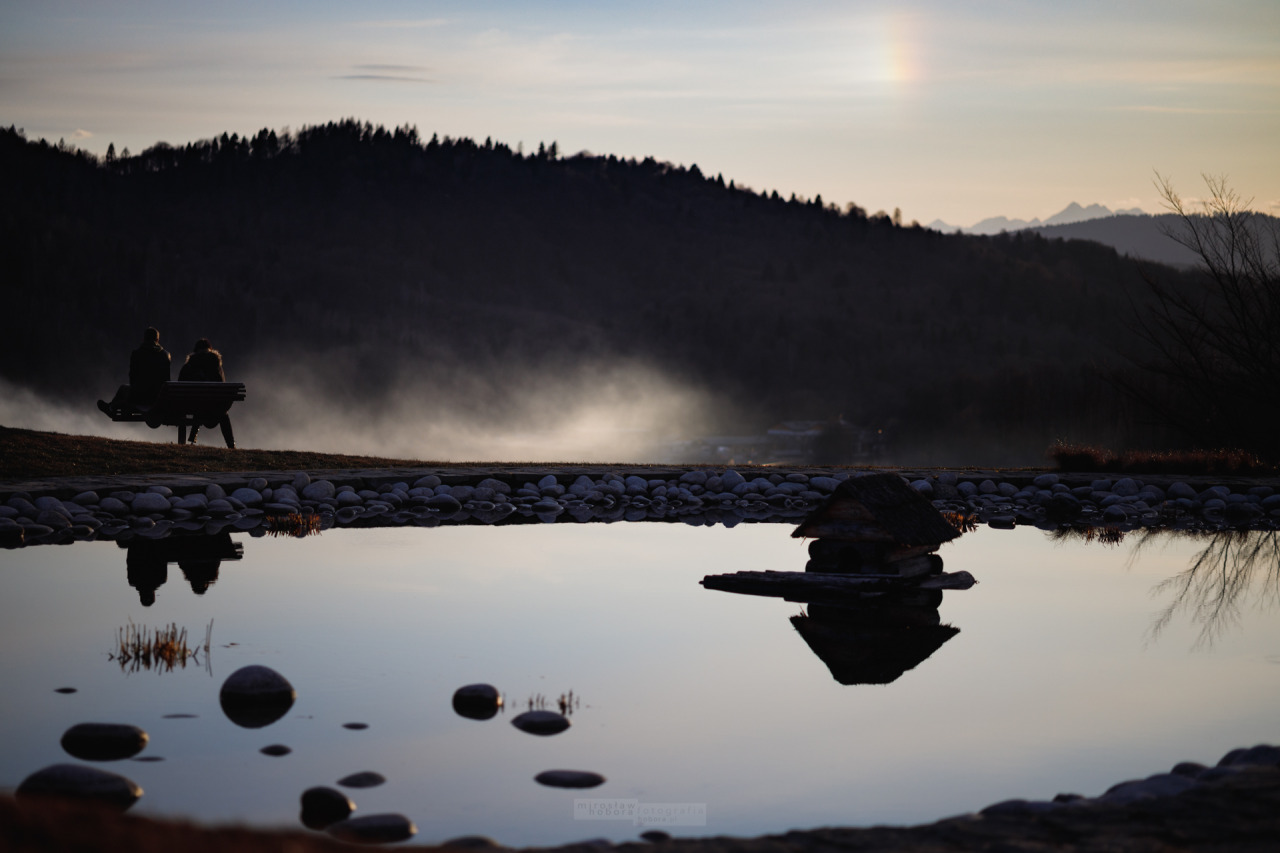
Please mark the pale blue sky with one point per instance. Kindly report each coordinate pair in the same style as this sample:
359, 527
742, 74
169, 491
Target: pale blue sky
947, 110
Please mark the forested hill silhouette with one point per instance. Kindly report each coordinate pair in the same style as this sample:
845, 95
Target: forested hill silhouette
371, 255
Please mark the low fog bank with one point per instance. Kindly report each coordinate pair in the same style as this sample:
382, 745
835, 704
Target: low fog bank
623, 413
612, 411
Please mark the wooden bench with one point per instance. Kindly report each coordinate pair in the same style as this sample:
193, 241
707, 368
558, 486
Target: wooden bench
186, 404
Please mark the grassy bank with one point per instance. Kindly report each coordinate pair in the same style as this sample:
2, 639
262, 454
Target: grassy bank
27, 453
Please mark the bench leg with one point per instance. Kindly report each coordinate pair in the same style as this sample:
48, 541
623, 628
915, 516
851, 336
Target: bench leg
182, 433
227, 435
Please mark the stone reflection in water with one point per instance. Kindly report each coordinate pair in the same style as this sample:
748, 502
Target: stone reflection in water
198, 556
874, 639
873, 582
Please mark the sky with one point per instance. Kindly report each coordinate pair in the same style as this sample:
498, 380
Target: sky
951, 111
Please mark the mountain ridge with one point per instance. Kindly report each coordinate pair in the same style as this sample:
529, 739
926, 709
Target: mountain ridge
1074, 212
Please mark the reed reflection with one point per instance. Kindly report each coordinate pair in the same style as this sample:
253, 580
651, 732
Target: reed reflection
199, 556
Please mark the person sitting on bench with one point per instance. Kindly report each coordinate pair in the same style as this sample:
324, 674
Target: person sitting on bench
204, 364
149, 367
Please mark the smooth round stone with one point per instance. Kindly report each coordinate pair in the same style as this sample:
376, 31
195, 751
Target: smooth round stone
320, 490
569, 779
248, 497
76, 781
103, 741
322, 807
255, 696
472, 842
150, 502
477, 701
374, 829
443, 503
541, 722
365, 779
1126, 487
275, 750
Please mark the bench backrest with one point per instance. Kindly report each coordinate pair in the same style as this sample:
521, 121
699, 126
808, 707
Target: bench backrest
199, 393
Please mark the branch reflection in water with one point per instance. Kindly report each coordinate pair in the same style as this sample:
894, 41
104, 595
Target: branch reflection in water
1233, 568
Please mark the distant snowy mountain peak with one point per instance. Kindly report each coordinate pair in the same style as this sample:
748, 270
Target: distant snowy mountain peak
1070, 214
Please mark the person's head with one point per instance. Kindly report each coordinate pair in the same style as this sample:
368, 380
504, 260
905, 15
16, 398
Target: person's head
203, 345
151, 335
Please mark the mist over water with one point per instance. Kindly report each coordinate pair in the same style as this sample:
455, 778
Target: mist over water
594, 413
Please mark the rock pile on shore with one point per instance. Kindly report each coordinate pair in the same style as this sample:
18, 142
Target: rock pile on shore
695, 496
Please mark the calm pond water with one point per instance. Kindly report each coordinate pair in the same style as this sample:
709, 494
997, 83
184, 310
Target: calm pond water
1061, 676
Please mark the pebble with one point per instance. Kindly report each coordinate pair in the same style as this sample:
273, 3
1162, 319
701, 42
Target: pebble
80, 782
256, 696
472, 842
364, 779
569, 779
477, 701
103, 741
541, 722
323, 807
374, 829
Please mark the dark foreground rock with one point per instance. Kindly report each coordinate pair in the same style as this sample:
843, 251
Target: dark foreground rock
1234, 806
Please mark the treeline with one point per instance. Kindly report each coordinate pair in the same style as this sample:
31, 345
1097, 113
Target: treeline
371, 255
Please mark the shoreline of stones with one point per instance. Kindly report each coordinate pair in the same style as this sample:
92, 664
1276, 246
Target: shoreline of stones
1181, 778
702, 497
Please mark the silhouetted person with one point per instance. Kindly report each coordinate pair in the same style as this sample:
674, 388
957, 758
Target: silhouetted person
147, 570
204, 364
201, 574
149, 367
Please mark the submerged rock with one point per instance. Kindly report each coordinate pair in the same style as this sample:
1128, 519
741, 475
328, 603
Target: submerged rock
541, 722
256, 696
471, 842
477, 701
364, 779
78, 782
374, 829
569, 779
322, 807
103, 741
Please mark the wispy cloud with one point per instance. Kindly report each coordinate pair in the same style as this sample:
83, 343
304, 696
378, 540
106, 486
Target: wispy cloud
387, 72
79, 133
387, 77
